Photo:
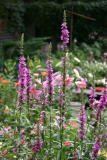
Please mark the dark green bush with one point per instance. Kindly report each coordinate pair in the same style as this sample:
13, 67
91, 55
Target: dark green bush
43, 18
11, 49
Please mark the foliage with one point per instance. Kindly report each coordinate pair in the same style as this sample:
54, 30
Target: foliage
83, 50
11, 49
15, 17
45, 17
49, 10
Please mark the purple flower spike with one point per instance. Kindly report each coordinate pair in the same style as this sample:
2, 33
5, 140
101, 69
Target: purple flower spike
102, 104
28, 85
64, 36
43, 100
82, 121
97, 147
103, 100
22, 81
37, 145
92, 98
50, 81
29, 80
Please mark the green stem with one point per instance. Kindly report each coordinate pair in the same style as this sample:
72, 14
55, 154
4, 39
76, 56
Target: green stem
61, 129
50, 131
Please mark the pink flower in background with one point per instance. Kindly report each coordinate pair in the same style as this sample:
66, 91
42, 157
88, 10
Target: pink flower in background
35, 92
65, 125
67, 143
105, 54
22, 130
81, 84
1, 132
73, 124
91, 52
16, 129
68, 82
4, 152
58, 80
22, 142
57, 117
7, 129
23, 136
40, 121
35, 125
38, 81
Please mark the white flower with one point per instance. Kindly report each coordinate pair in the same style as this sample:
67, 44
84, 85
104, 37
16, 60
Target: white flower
76, 59
102, 81
77, 74
0, 144
90, 75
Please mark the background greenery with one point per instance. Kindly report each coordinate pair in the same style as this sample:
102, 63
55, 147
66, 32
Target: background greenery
44, 17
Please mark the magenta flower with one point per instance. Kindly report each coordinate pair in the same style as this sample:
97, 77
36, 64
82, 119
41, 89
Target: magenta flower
75, 155
50, 84
28, 85
43, 99
103, 100
92, 98
82, 121
29, 81
37, 145
22, 81
105, 54
97, 147
102, 105
64, 36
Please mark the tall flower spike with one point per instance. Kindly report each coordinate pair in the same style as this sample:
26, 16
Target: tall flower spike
103, 100
43, 100
50, 91
22, 76
82, 121
102, 105
37, 145
65, 34
65, 41
29, 83
92, 98
50, 77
